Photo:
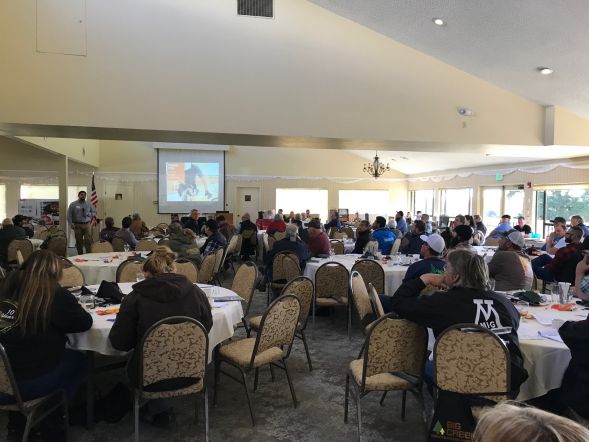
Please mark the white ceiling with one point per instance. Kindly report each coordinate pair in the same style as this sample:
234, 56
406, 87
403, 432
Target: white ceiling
501, 41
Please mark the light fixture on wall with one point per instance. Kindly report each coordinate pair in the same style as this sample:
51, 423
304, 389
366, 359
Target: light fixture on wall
376, 168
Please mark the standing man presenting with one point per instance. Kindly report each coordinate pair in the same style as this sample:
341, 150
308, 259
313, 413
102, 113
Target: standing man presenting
80, 216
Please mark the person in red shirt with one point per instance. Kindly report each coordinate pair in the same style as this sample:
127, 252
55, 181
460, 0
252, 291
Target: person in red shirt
278, 225
318, 240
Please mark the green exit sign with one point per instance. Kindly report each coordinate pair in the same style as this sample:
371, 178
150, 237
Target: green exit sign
498, 177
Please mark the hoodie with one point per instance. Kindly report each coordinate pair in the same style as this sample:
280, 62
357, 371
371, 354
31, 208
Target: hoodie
156, 298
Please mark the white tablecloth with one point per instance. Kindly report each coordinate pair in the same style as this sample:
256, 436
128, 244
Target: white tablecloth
393, 274
225, 316
486, 251
98, 267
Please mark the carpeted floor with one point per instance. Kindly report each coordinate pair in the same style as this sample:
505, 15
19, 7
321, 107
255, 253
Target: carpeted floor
319, 416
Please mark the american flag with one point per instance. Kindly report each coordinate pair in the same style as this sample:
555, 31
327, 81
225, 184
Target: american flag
93, 199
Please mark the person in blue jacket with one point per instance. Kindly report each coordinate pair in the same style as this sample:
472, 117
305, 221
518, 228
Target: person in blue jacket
383, 235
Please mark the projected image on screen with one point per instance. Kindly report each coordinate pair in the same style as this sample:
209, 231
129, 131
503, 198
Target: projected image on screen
192, 181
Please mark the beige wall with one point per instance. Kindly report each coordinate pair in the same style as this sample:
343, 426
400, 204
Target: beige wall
83, 151
194, 65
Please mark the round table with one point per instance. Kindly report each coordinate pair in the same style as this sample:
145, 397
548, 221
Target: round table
393, 274
98, 267
225, 316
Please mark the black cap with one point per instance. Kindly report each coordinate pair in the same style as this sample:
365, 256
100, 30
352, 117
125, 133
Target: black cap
463, 233
558, 219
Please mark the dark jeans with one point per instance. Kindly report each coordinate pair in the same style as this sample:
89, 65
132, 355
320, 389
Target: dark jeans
539, 270
386, 303
68, 375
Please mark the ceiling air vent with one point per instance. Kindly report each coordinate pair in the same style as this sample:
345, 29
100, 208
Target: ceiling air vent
256, 8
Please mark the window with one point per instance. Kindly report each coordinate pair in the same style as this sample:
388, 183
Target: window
502, 200
373, 202
2, 201
561, 201
299, 200
455, 202
34, 192
422, 201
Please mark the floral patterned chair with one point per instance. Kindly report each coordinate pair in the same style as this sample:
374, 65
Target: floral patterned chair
372, 272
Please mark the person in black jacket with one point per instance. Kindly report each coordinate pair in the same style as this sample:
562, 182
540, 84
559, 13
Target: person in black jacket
247, 248
8, 233
35, 316
162, 294
363, 237
466, 301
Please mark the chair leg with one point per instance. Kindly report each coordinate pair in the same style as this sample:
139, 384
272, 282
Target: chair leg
346, 399
136, 409
249, 402
206, 407
382, 398
349, 319
256, 372
28, 428
292, 391
304, 339
359, 412
273, 377
66, 417
403, 402
217, 372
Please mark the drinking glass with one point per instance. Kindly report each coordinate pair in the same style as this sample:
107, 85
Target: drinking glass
555, 293
87, 301
126, 247
140, 276
522, 306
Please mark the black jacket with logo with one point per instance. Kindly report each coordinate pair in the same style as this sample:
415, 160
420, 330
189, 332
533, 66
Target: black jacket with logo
463, 305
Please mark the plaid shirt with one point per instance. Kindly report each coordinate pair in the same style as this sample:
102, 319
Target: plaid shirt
562, 257
213, 242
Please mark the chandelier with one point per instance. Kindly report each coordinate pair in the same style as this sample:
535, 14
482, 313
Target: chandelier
376, 168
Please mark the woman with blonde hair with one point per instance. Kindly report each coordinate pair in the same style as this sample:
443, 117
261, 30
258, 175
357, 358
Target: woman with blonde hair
35, 316
510, 422
163, 293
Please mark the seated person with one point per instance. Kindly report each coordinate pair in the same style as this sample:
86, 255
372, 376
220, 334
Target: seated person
562, 267
363, 237
163, 293
582, 278
214, 239
138, 227
510, 422
334, 221
318, 241
226, 229
522, 227
278, 225
291, 243
479, 225
414, 239
510, 267
8, 233
428, 225
383, 235
467, 300
401, 223
125, 233
108, 233
576, 221
303, 232
247, 248
194, 222
36, 316
503, 227
555, 240
19, 220
462, 239
182, 241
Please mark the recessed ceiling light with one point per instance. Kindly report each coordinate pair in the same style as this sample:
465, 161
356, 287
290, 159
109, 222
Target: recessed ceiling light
438, 21
545, 71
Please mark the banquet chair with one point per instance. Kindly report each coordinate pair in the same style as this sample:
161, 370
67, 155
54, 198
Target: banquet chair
331, 287
24, 245
244, 284
302, 288
127, 271
396, 246
187, 268
72, 276
392, 359
473, 361
162, 227
219, 264
146, 245
233, 249
361, 301
348, 231
279, 235
43, 234
249, 242
337, 246
269, 241
58, 245
285, 266
271, 346
372, 273
118, 244
337, 235
331, 232
34, 410
38, 230
101, 247
376, 304
161, 376
266, 242
207, 268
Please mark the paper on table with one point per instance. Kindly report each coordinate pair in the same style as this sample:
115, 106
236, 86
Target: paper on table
550, 334
544, 318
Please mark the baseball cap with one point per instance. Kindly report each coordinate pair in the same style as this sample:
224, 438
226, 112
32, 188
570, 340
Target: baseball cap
558, 219
517, 239
435, 241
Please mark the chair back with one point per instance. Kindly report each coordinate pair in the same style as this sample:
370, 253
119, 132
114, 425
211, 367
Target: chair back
127, 271
7, 381
58, 245
361, 298
118, 244
146, 245
232, 247
187, 268
331, 280
394, 345
396, 246
332, 231
491, 242
470, 359
162, 227
285, 266
269, 241
250, 235
40, 232
219, 259
72, 276
244, 283
207, 268
173, 348
372, 273
348, 231
24, 245
279, 235
337, 246
278, 325
303, 288
101, 247
376, 304
337, 235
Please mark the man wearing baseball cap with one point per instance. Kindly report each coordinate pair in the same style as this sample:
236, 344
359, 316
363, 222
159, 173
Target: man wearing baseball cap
510, 267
